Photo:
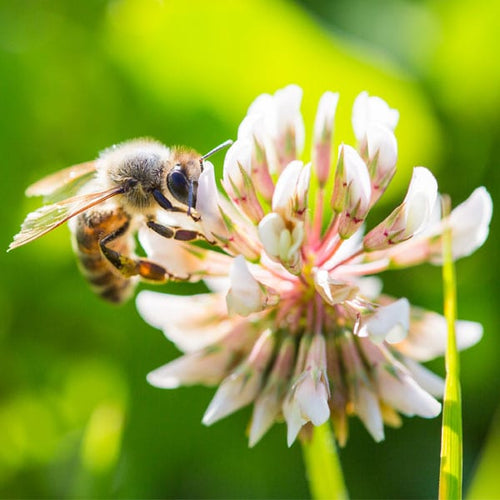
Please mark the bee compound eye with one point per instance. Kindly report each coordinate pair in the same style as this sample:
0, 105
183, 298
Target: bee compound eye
178, 185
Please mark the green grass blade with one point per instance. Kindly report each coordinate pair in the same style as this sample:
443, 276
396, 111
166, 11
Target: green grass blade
324, 473
485, 480
450, 474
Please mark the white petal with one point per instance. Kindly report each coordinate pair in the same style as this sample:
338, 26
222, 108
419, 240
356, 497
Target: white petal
369, 287
470, 224
238, 155
288, 102
200, 367
367, 110
245, 295
191, 322
389, 323
268, 404
241, 387
323, 132
286, 188
207, 202
236, 391
420, 200
270, 229
368, 410
402, 393
358, 180
323, 123
426, 379
293, 417
382, 142
266, 409
427, 336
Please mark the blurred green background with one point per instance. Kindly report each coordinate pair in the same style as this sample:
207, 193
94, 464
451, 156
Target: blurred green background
77, 418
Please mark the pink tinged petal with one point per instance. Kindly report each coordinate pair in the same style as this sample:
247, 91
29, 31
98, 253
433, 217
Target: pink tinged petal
268, 405
281, 124
346, 249
331, 290
323, 132
237, 179
469, 223
285, 187
339, 397
238, 156
191, 322
382, 156
313, 390
246, 294
358, 193
241, 387
361, 394
427, 336
293, 418
251, 129
368, 410
207, 203
410, 217
368, 110
291, 407
429, 381
290, 125
307, 400
290, 194
208, 365
352, 191
399, 390
389, 323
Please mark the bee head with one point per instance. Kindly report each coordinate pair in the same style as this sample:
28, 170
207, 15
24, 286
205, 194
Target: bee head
182, 177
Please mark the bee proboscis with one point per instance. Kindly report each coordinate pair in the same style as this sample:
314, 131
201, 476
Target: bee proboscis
107, 199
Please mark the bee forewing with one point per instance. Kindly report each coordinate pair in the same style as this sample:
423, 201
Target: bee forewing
62, 180
49, 217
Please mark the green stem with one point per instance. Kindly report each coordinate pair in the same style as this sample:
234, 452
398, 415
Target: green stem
323, 469
450, 475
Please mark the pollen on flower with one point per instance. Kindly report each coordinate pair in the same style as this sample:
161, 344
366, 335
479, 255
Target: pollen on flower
295, 322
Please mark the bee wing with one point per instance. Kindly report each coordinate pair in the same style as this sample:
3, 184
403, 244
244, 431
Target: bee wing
49, 217
64, 183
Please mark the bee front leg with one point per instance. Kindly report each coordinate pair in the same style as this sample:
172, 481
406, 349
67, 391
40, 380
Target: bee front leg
175, 232
166, 205
129, 266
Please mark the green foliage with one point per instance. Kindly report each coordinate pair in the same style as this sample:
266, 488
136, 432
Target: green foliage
77, 418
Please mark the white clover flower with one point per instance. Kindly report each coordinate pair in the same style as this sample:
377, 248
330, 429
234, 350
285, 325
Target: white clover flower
296, 323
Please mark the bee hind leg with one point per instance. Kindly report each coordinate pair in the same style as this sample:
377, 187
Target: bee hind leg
130, 266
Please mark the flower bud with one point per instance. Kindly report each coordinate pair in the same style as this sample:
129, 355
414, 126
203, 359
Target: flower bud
368, 110
323, 133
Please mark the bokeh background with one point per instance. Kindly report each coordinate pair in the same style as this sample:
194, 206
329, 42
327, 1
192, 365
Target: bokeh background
77, 418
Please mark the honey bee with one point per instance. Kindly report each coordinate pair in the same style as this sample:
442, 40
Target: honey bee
107, 199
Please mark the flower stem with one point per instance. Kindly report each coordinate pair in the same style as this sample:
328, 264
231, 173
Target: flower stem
450, 476
323, 469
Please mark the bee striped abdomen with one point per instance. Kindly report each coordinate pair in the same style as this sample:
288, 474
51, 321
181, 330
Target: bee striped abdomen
104, 279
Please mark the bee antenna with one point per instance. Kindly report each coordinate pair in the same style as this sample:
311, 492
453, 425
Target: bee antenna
218, 148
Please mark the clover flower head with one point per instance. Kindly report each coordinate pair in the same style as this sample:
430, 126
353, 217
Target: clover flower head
295, 322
